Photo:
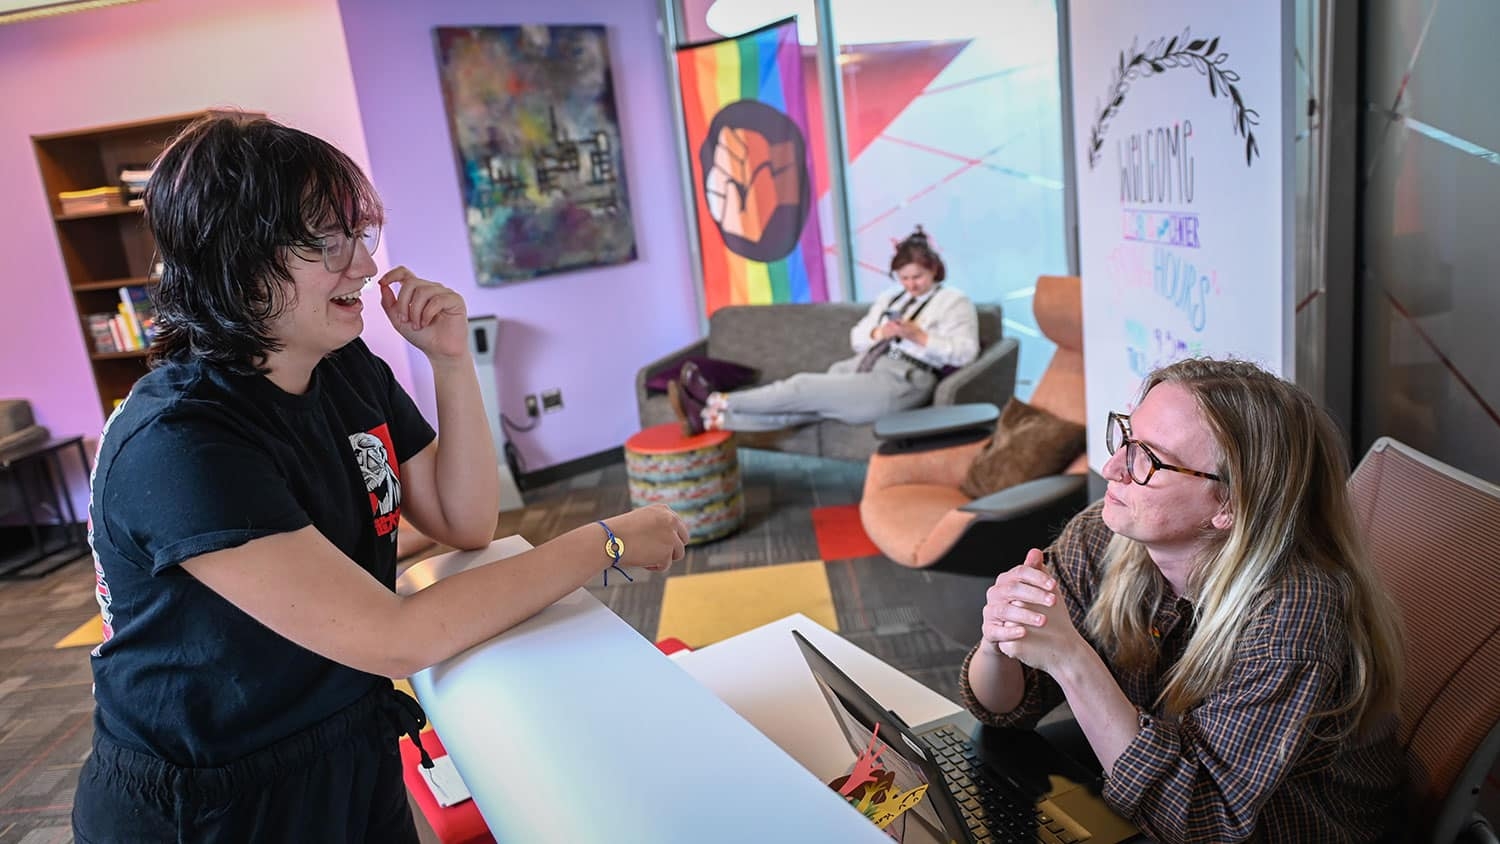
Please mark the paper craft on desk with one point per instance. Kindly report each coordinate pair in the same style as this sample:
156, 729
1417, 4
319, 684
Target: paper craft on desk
446, 785
872, 790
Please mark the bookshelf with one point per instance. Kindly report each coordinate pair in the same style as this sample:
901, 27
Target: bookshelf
105, 244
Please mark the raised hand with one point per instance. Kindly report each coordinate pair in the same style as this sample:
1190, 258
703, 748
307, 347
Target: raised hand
428, 315
654, 537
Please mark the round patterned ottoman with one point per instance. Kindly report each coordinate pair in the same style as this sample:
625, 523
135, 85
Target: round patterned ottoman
697, 476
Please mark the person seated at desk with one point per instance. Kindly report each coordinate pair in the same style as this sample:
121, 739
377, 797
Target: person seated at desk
906, 341
1222, 640
245, 509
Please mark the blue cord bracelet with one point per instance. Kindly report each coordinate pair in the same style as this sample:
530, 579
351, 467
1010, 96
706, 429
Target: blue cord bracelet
614, 548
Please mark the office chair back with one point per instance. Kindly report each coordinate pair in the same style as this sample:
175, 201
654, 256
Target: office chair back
1433, 533
1057, 306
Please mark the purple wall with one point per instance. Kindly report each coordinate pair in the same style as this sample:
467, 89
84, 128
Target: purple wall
586, 332
132, 62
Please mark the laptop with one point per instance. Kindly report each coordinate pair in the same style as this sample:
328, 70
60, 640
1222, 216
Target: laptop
984, 784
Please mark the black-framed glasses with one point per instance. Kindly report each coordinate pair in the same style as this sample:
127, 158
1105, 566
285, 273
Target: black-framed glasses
339, 248
1140, 461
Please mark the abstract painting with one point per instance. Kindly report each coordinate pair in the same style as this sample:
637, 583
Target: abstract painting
532, 114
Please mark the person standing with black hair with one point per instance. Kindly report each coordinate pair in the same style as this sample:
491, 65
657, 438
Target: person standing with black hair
245, 505
902, 346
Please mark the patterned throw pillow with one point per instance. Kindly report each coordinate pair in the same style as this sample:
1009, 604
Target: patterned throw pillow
1029, 443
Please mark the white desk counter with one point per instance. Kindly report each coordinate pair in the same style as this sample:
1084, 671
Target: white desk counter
572, 727
763, 676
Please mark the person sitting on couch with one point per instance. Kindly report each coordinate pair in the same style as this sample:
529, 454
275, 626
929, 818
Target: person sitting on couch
906, 341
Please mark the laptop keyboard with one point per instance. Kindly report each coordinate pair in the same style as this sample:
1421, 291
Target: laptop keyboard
994, 809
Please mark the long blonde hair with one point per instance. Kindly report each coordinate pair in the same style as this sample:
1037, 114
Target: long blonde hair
1285, 481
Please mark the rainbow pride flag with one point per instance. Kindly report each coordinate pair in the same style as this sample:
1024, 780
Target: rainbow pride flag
746, 113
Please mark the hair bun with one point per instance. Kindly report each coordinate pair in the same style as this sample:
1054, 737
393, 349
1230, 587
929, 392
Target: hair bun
917, 248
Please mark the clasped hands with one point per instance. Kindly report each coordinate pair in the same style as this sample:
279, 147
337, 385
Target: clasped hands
1026, 619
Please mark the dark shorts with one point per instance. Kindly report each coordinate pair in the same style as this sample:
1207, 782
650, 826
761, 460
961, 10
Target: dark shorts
338, 781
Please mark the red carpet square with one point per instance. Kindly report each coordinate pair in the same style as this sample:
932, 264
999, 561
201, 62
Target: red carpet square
840, 535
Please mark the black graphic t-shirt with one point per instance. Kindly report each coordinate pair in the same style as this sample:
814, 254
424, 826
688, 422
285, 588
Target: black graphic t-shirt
199, 460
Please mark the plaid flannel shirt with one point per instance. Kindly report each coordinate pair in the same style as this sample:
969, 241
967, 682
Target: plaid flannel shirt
1219, 772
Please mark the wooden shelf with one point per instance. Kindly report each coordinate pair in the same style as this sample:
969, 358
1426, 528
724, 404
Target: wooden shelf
103, 212
135, 127
108, 249
114, 283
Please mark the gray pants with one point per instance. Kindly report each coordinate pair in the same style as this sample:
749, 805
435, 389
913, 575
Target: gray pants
841, 393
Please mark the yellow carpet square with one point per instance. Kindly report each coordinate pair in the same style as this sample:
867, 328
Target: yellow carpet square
701, 609
88, 634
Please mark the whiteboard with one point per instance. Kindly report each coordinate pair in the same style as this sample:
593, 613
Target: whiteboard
1182, 141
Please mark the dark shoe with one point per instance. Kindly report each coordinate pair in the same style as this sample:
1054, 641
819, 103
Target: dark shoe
688, 409
692, 381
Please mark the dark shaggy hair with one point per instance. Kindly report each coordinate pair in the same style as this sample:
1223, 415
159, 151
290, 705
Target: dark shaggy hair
227, 199
916, 250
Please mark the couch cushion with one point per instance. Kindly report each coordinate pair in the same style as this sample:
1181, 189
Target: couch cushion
991, 324
1029, 443
782, 340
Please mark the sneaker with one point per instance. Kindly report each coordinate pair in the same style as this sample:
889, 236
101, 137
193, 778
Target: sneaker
693, 382
689, 410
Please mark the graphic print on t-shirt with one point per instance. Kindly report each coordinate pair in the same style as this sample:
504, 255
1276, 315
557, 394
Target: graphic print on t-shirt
374, 453
101, 583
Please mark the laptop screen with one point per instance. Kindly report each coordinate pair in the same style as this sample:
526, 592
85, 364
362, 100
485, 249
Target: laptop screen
857, 714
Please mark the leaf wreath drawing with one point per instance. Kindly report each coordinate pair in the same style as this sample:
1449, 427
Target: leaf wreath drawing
1161, 55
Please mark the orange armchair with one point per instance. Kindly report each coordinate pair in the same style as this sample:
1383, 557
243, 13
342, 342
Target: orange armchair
912, 507
1433, 532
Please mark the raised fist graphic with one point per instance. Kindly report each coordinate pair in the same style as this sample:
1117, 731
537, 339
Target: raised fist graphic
755, 179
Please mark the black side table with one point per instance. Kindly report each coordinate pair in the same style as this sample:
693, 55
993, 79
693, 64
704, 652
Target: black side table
38, 471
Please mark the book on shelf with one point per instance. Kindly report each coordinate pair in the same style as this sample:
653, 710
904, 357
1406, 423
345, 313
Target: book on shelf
92, 199
133, 178
129, 328
100, 333
117, 333
140, 312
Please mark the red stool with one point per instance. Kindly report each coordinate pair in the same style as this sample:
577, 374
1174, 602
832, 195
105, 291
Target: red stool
460, 824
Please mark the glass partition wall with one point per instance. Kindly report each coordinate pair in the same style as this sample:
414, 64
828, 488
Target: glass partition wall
951, 118
1431, 179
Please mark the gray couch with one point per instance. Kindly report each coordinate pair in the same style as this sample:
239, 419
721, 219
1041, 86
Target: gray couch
782, 340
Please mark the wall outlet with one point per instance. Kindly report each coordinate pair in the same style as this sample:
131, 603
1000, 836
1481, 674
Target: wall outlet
552, 400
532, 409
